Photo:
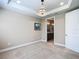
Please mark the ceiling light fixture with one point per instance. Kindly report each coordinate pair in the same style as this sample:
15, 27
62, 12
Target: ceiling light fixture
62, 3
18, 1
42, 9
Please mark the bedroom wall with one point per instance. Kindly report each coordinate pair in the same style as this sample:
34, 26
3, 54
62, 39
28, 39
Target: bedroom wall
60, 29
17, 29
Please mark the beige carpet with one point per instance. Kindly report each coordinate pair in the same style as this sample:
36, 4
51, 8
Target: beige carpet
40, 50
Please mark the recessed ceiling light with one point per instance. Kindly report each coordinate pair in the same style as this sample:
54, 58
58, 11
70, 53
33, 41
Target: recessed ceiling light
18, 1
62, 3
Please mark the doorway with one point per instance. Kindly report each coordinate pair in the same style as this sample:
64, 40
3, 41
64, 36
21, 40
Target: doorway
50, 30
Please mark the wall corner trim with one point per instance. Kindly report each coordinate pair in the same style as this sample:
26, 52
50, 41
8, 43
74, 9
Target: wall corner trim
15, 47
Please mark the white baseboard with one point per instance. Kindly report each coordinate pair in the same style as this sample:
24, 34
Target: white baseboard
59, 44
44, 41
22, 45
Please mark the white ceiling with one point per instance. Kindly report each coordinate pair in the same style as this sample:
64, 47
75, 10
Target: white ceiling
31, 7
36, 4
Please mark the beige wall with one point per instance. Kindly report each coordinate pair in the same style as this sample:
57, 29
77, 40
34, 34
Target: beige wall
60, 29
16, 29
44, 33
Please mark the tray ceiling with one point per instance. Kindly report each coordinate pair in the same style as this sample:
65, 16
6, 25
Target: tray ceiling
32, 6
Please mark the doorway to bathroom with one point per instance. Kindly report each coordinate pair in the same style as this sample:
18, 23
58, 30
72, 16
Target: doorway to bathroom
50, 30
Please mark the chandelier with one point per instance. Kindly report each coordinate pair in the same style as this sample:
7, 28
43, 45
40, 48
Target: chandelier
42, 9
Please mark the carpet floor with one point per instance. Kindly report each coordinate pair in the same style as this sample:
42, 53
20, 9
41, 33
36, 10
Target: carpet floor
40, 50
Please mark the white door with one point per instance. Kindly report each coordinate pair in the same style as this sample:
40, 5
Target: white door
72, 30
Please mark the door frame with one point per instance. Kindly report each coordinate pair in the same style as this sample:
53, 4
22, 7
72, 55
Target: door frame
46, 27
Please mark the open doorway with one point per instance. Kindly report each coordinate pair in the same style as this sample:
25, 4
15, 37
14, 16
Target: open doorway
50, 30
